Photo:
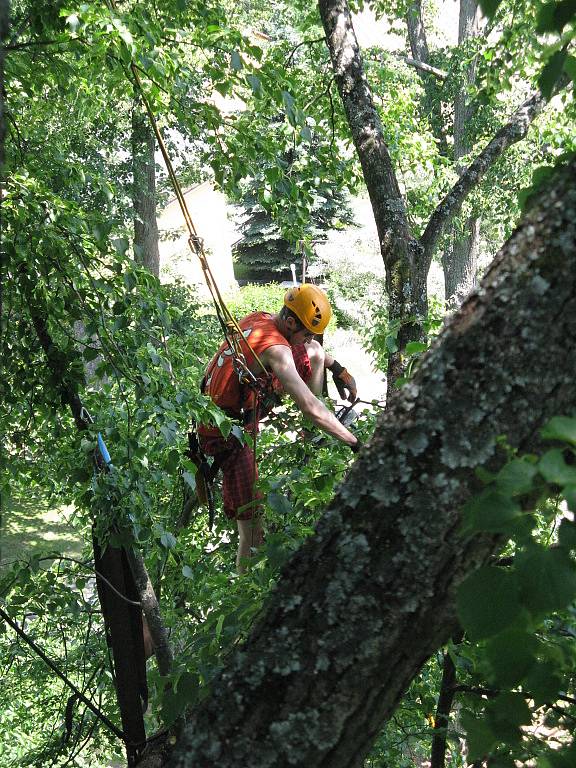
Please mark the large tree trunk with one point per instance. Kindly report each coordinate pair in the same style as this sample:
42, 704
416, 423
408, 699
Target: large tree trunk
460, 263
370, 595
144, 191
406, 294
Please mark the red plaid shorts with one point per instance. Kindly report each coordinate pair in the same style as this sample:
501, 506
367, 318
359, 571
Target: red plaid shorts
239, 472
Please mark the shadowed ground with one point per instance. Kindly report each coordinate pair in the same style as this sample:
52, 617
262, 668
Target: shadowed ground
33, 526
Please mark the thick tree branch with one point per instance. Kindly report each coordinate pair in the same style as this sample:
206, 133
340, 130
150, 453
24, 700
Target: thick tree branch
440, 74
514, 130
417, 32
151, 608
443, 709
428, 68
398, 247
371, 594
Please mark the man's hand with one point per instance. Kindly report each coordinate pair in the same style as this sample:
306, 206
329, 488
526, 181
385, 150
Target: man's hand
344, 381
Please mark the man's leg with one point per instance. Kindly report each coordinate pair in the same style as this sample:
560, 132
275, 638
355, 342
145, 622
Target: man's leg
241, 502
250, 537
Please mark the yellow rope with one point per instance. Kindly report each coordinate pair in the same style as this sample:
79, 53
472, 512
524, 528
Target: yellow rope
230, 327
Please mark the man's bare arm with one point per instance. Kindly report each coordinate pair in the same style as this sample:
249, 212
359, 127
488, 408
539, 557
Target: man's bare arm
280, 359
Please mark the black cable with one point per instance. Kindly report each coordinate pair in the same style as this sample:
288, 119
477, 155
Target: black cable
28, 640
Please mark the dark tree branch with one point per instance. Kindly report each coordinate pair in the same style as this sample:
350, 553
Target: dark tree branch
58, 365
290, 56
34, 44
151, 608
514, 130
367, 598
443, 709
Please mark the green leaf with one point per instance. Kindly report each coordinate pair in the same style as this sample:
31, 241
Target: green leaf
189, 479
187, 572
415, 347
491, 511
255, 84
391, 344
506, 714
543, 682
547, 579
545, 19
89, 353
168, 540
489, 7
560, 428
219, 625
80, 475
569, 493
187, 686
516, 477
554, 469
279, 503
570, 67
551, 73
290, 107
120, 245
173, 461
236, 61
487, 602
564, 12
567, 534
481, 740
510, 655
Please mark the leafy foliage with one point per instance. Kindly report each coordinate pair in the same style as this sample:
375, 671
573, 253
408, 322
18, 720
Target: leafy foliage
519, 612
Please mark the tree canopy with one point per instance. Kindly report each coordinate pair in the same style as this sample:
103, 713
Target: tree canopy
413, 604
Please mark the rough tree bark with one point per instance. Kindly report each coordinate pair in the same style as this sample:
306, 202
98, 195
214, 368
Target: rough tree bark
398, 247
460, 259
370, 595
144, 191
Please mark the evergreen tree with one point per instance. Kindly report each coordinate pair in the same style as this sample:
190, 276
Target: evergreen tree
265, 252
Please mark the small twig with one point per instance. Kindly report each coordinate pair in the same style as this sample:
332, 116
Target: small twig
33, 43
99, 576
288, 61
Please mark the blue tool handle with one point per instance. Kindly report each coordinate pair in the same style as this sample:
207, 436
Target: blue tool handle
103, 450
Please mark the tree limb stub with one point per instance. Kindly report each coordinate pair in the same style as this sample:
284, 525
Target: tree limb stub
441, 74
368, 598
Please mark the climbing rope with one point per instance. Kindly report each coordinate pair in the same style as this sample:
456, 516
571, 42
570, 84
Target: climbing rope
232, 331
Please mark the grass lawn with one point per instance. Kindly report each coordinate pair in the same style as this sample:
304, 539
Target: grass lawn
33, 526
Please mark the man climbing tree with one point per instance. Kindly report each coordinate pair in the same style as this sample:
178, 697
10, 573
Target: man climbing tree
281, 355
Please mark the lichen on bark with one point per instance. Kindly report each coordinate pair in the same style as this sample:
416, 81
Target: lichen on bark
375, 584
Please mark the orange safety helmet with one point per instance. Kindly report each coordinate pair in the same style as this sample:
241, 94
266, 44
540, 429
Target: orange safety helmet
310, 305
